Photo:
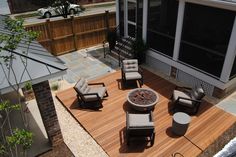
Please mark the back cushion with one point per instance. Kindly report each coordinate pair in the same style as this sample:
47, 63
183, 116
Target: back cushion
197, 93
82, 86
130, 65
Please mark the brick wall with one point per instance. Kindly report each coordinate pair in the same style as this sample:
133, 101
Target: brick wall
48, 113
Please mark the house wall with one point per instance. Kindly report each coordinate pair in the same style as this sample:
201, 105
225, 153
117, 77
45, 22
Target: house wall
217, 83
47, 110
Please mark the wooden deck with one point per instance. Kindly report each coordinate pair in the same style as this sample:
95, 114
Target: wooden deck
107, 126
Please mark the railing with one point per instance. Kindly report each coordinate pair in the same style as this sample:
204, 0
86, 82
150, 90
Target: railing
116, 29
124, 42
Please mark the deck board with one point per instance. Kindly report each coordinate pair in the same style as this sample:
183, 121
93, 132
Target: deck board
107, 126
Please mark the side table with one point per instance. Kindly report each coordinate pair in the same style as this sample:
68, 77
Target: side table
180, 123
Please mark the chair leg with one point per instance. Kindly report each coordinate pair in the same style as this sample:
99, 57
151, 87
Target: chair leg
152, 139
196, 109
140, 83
100, 102
127, 137
106, 94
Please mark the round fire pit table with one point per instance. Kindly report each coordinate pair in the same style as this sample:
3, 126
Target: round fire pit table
142, 99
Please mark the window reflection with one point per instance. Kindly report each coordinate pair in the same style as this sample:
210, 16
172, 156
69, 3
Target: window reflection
205, 37
162, 18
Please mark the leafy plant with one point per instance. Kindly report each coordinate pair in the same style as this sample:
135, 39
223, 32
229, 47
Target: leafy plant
28, 85
55, 86
111, 38
139, 48
6, 106
20, 137
3, 150
10, 41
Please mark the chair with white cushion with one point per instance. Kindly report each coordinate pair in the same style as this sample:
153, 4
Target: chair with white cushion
140, 125
131, 71
91, 93
190, 98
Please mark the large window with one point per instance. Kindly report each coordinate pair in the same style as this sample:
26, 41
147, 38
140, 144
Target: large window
139, 18
132, 18
205, 37
162, 18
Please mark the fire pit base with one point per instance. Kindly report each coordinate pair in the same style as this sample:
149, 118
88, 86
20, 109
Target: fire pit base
142, 99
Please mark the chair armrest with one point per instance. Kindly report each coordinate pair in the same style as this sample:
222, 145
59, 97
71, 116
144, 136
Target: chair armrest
127, 120
196, 101
98, 83
151, 116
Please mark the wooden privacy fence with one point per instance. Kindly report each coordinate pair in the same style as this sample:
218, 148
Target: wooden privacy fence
74, 33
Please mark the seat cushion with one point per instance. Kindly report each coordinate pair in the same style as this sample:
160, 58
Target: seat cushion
100, 90
132, 76
82, 86
184, 102
139, 120
197, 93
130, 65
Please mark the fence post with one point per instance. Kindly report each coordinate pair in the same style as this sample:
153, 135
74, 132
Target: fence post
73, 32
107, 20
50, 35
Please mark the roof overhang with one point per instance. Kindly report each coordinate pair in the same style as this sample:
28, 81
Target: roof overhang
30, 63
223, 4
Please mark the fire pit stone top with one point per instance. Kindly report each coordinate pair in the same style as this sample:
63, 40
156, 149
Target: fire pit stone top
142, 99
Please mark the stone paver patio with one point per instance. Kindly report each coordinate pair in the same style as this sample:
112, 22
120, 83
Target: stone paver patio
88, 63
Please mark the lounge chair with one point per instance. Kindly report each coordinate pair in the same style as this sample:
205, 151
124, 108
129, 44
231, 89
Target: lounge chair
131, 71
188, 98
90, 94
140, 125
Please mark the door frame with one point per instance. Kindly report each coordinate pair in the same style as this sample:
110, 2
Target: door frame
126, 22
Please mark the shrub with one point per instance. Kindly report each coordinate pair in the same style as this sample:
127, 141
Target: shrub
28, 85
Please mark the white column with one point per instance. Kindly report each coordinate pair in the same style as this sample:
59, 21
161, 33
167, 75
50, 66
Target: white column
125, 18
145, 17
230, 56
117, 13
179, 26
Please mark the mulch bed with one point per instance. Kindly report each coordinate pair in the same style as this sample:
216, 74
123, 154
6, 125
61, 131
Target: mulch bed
58, 151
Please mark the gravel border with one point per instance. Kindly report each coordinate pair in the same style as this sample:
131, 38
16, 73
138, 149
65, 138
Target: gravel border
76, 138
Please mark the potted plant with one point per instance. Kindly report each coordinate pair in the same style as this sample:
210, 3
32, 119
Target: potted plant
55, 86
111, 38
139, 48
28, 91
